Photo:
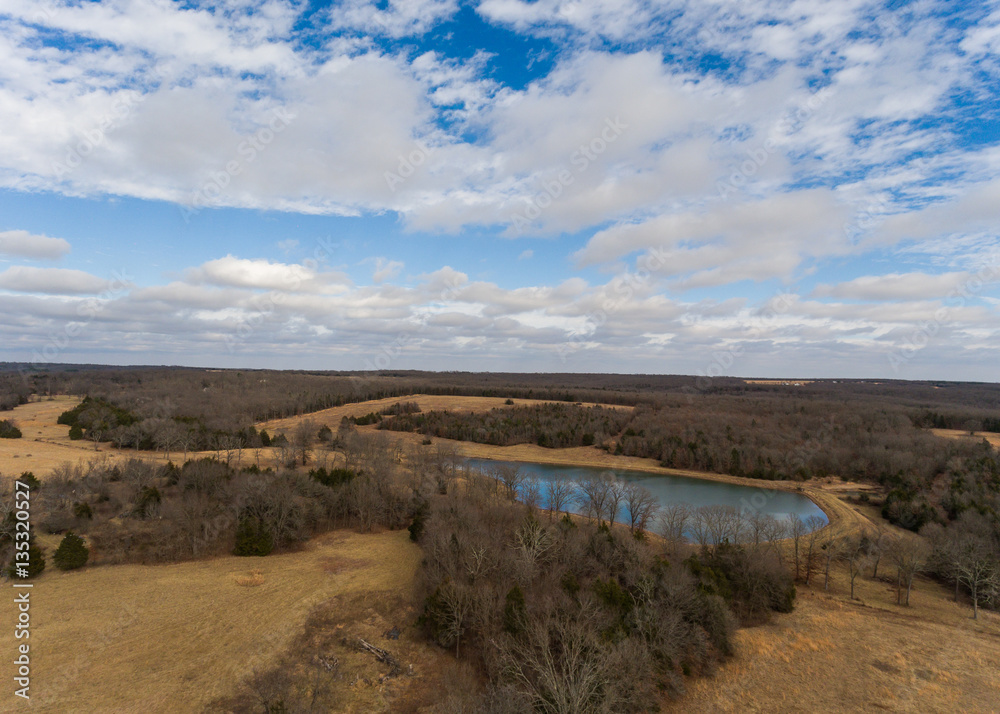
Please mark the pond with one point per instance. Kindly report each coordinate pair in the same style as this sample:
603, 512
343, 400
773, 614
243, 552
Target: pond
668, 489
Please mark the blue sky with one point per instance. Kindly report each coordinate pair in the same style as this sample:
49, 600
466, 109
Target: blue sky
764, 188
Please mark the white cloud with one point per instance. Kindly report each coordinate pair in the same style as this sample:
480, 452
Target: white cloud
386, 269
526, 254
897, 286
55, 281
27, 245
257, 274
400, 18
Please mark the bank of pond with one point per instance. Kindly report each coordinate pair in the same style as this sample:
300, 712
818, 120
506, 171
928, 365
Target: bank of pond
667, 490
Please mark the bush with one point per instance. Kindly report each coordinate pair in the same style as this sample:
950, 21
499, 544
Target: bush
333, 478
72, 553
253, 537
34, 566
75, 432
31, 480
9, 430
148, 500
83, 510
419, 521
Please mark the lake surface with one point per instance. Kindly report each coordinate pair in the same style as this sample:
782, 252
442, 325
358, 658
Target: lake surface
676, 489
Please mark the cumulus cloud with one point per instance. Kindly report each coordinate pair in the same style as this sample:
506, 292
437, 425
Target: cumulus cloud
55, 281
23, 244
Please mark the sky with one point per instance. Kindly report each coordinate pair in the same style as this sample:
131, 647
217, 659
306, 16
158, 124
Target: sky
770, 188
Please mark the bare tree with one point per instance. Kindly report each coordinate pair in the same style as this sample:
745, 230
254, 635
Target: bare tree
593, 495
856, 553
531, 492
640, 505
558, 494
797, 530
510, 477
303, 437
976, 566
908, 554
814, 526
831, 544
673, 522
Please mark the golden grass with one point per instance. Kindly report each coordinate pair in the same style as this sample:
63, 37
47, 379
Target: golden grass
427, 402
991, 437
833, 654
174, 637
253, 579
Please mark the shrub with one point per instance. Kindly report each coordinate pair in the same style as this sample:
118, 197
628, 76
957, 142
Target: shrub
419, 521
147, 501
31, 480
83, 510
72, 553
333, 478
75, 432
34, 566
9, 430
253, 537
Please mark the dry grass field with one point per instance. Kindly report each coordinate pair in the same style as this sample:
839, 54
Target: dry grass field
173, 638
427, 402
991, 437
833, 654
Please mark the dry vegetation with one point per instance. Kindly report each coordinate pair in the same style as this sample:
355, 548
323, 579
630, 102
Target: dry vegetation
205, 633
177, 637
991, 437
836, 655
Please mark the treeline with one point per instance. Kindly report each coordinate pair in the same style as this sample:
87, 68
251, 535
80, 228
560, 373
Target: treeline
571, 616
549, 425
140, 512
772, 438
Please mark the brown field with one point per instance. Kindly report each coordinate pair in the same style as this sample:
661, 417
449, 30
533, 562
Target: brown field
172, 638
177, 637
992, 437
427, 402
836, 655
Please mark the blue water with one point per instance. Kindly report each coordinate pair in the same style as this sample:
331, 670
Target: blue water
669, 489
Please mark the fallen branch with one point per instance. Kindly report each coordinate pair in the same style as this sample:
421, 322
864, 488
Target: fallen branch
382, 656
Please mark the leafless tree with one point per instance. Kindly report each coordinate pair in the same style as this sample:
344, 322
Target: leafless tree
977, 566
797, 530
831, 543
640, 505
531, 492
594, 496
856, 553
558, 494
673, 522
909, 555
303, 437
